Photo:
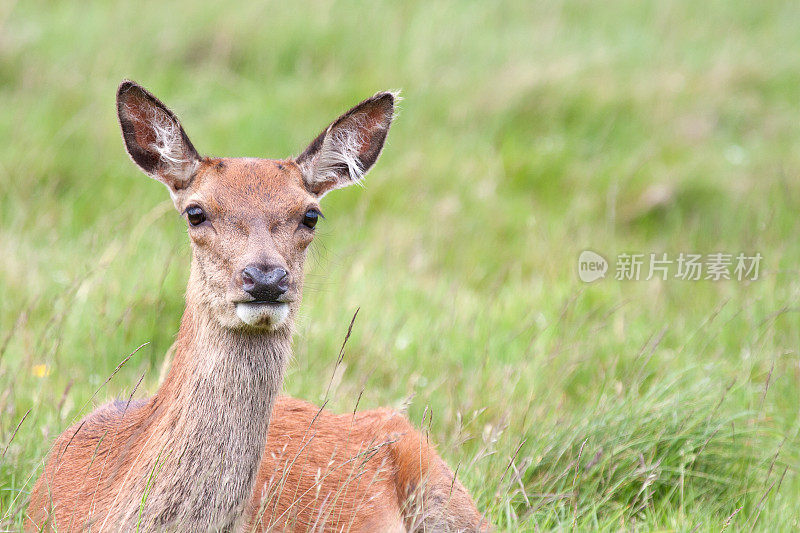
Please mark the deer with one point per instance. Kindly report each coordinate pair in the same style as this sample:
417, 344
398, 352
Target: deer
217, 447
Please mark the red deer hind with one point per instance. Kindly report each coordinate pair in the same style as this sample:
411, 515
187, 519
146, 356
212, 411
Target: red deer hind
204, 453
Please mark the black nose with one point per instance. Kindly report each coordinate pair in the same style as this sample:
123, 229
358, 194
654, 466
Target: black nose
265, 283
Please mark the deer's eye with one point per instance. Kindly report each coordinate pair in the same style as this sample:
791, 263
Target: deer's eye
195, 215
310, 218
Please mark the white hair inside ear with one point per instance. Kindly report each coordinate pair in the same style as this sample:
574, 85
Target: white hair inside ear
340, 149
345, 151
169, 145
154, 137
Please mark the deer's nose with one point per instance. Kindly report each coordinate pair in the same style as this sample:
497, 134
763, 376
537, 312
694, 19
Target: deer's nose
265, 283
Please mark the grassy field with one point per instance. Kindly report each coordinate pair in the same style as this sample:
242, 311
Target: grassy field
529, 132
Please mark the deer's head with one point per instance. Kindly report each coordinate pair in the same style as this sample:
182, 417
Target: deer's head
250, 221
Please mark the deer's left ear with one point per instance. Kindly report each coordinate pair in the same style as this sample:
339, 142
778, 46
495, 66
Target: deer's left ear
347, 149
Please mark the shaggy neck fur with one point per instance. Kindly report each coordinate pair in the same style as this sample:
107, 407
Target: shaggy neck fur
207, 427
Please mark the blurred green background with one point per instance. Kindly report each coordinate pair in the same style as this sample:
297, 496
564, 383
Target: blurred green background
529, 132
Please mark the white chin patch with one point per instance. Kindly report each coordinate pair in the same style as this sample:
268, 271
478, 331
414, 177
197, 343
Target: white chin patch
261, 314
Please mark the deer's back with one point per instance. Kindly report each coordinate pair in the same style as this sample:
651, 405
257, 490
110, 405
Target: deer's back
86, 461
326, 472
368, 471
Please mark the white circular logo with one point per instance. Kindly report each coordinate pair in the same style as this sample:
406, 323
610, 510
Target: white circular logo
591, 266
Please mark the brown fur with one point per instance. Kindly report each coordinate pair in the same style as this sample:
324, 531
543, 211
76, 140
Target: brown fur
196, 458
201, 454
368, 471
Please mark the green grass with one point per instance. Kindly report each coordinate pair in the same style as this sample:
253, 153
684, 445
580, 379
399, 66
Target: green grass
529, 132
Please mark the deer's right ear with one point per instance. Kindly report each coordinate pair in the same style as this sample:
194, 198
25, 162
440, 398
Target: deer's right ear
154, 138
348, 148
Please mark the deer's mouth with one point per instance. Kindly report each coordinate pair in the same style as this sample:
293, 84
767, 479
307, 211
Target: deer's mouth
262, 313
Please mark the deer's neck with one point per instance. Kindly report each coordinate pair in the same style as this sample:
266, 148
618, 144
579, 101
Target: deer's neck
209, 424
